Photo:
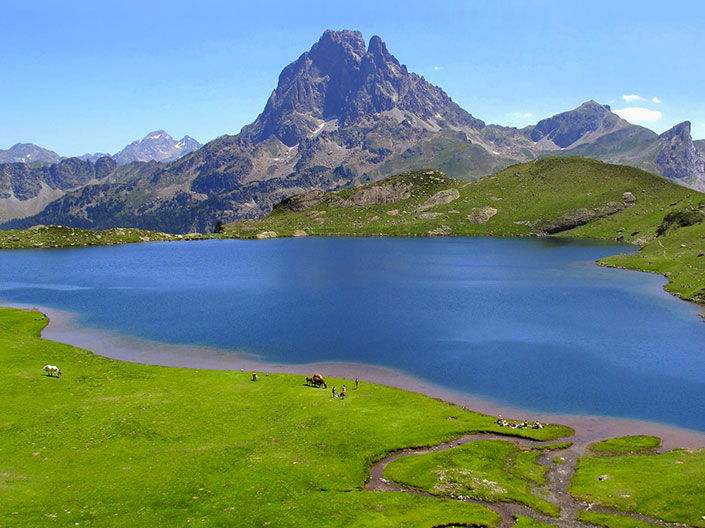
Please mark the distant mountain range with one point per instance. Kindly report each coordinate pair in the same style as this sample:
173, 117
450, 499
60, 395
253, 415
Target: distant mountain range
28, 153
343, 114
155, 146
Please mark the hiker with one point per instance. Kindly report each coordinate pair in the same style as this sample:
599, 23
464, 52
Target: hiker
335, 394
357, 383
343, 392
254, 376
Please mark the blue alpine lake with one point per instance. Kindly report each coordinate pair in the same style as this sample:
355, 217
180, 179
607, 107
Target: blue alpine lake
528, 323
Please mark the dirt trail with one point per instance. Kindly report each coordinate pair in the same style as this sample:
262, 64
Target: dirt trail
558, 479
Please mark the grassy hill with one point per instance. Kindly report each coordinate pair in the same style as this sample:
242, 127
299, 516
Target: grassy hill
567, 197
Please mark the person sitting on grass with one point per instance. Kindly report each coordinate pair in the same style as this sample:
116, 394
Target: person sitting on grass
335, 394
254, 376
343, 392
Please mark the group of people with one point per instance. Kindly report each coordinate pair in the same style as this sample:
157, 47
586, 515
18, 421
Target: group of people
343, 392
519, 425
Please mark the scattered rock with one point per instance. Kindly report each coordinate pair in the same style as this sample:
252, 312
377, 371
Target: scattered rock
445, 196
480, 215
430, 216
393, 212
628, 198
443, 230
603, 477
300, 233
266, 234
373, 218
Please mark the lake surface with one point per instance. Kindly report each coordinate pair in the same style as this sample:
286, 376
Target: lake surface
528, 323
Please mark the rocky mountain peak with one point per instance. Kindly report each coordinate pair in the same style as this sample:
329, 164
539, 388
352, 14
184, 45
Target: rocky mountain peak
340, 78
681, 131
569, 128
158, 145
28, 153
678, 158
336, 43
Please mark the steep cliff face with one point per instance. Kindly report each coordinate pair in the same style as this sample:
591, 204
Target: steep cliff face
679, 159
341, 79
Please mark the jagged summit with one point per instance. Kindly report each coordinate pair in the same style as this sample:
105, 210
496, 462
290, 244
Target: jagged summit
340, 78
678, 158
158, 145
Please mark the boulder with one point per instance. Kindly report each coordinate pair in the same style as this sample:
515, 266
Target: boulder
266, 234
430, 216
628, 198
480, 215
445, 196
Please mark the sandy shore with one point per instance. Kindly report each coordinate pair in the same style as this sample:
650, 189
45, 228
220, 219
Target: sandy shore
588, 428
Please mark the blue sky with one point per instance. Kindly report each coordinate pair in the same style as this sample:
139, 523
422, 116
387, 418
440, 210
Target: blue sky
92, 76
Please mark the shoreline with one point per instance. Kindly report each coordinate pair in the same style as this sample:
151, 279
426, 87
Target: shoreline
588, 428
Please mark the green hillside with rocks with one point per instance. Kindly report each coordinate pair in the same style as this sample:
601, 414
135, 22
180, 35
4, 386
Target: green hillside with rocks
568, 197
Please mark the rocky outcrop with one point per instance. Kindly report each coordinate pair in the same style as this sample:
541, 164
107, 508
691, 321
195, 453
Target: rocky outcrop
481, 215
301, 202
379, 195
581, 216
445, 196
266, 234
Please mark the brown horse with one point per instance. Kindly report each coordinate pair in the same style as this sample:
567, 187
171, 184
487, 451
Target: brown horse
318, 381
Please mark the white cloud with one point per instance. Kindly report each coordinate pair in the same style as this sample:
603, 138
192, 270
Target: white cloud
632, 97
636, 114
439, 68
523, 115
656, 100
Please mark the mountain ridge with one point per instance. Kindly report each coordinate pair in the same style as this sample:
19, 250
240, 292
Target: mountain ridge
345, 113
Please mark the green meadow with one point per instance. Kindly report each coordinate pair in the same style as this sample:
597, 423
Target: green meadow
123, 444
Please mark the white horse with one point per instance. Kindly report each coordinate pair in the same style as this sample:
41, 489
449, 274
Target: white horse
52, 370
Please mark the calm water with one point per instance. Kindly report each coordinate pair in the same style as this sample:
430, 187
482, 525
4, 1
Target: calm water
532, 324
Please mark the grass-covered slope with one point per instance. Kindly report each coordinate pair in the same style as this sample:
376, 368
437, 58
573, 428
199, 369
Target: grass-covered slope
669, 486
568, 197
60, 236
122, 444
487, 470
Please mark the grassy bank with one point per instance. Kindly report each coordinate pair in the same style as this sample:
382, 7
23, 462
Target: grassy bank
60, 236
122, 444
487, 470
669, 486
566, 197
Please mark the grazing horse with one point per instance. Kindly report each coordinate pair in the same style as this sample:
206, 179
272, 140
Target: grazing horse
309, 380
52, 370
318, 381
